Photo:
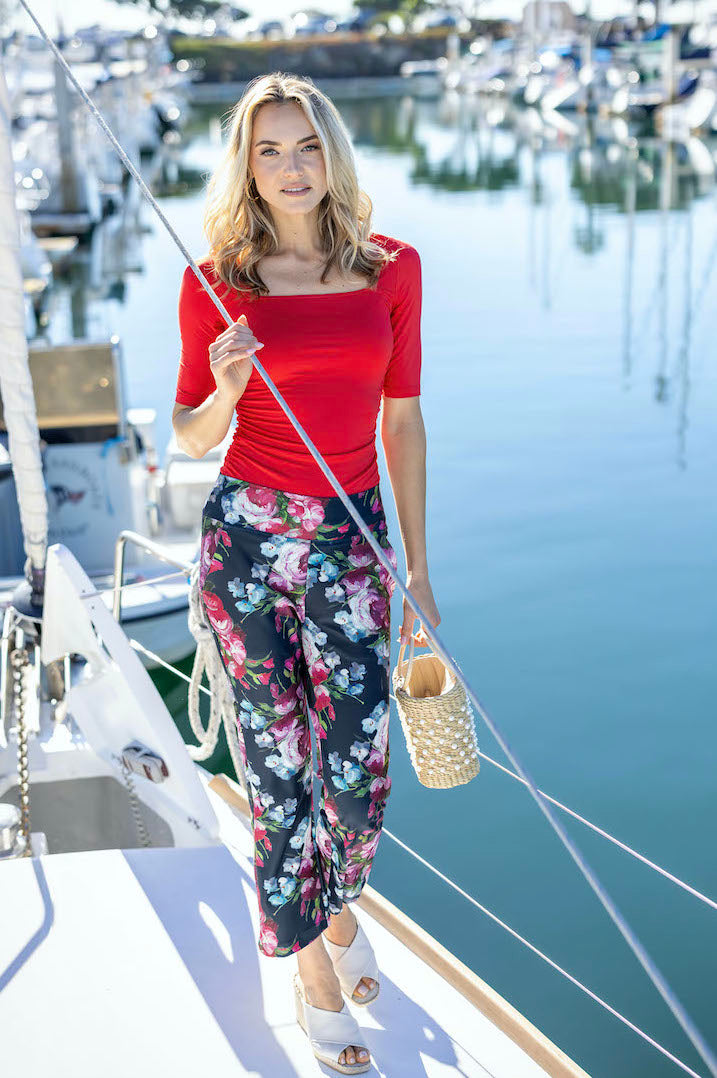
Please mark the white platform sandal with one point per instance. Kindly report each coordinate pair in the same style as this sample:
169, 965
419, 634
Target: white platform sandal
329, 1032
353, 962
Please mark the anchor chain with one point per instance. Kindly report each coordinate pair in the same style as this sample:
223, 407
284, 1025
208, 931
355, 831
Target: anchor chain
19, 660
142, 833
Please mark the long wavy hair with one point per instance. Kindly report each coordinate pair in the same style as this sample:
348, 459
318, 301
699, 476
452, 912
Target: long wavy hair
238, 223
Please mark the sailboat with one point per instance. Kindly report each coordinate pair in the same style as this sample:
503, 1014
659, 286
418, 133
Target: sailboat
126, 867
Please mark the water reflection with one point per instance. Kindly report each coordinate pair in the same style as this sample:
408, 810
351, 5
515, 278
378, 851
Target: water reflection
462, 144
627, 204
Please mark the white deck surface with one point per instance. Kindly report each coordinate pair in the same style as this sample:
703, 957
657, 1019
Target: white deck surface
131, 963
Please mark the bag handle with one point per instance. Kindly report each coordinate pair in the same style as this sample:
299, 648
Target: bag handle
405, 677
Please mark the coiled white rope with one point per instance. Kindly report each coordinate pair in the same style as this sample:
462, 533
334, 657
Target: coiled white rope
439, 648
222, 707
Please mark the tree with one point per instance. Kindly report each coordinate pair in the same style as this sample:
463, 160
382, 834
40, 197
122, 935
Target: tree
188, 9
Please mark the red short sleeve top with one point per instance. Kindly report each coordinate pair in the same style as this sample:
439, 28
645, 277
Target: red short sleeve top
331, 356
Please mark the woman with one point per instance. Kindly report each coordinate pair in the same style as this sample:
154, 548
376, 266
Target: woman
298, 602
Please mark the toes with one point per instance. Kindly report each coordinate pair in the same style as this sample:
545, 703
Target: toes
349, 1056
365, 985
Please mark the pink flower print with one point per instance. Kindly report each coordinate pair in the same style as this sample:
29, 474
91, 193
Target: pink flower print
208, 562
254, 505
384, 576
375, 762
289, 568
268, 939
353, 872
380, 788
360, 555
324, 842
285, 700
356, 580
319, 673
292, 739
331, 810
308, 512
236, 647
323, 703
232, 640
216, 613
368, 608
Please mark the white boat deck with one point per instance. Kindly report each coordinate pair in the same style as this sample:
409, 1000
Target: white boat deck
142, 962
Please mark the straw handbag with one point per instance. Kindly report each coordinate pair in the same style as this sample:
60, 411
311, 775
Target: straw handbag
437, 719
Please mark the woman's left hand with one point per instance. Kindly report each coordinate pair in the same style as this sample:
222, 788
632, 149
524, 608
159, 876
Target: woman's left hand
420, 588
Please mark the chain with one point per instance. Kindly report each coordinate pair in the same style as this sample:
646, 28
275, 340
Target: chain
19, 660
143, 836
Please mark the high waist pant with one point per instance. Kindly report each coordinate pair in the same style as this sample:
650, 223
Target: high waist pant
300, 609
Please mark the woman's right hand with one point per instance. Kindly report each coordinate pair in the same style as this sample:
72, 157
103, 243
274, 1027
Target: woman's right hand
230, 359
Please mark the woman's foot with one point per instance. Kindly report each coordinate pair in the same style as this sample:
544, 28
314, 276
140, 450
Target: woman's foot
341, 929
322, 989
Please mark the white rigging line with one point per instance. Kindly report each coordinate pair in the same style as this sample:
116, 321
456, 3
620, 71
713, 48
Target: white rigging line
185, 677
633, 942
501, 767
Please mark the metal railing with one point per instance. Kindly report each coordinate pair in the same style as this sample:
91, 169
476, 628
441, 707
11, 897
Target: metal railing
128, 536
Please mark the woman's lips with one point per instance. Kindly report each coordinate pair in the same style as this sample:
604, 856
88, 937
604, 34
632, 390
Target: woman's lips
303, 191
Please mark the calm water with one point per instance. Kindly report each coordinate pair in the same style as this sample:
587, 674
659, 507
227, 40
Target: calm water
570, 400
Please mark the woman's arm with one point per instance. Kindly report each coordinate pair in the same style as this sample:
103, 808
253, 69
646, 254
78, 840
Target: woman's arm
199, 429
403, 436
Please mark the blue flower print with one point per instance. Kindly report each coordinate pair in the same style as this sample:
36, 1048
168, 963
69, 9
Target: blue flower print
248, 596
351, 630
279, 766
335, 761
370, 724
252, 777
297, 839
341, 678
286, 887
360, 749
257, 721
352, 773
317, 635
277, 814
321, 567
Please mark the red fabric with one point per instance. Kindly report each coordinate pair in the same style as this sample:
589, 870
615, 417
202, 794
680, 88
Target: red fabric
330, 356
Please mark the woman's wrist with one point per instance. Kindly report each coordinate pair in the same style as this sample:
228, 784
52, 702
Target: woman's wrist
228, 400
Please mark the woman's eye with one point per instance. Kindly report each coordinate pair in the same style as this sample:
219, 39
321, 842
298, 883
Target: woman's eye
313, 146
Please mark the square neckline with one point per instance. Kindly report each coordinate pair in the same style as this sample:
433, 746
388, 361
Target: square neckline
315, 295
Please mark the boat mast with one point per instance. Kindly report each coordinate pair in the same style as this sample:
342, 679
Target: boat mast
15, 381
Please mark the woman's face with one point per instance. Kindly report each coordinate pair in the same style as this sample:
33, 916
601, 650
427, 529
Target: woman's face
286, 153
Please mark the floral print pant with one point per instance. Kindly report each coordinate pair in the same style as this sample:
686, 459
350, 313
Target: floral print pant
299, 606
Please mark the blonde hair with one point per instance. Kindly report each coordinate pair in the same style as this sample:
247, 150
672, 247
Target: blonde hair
238, 223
